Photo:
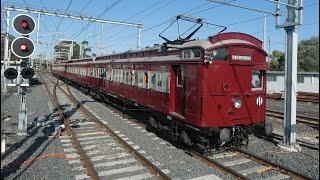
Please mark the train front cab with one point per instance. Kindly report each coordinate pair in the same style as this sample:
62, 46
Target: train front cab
233, 89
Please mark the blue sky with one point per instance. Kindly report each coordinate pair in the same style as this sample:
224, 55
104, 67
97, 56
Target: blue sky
155, 15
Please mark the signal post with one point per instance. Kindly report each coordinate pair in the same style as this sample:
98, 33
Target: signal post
22, 47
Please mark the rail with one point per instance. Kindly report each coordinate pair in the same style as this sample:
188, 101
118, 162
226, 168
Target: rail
301, 119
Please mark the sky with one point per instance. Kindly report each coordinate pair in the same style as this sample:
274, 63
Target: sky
155, 16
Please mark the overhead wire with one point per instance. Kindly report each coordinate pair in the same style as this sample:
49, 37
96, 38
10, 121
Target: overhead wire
75, 19
114, 35
49, 16
165, 22
147, 8
59, 25
231, 24
100, 15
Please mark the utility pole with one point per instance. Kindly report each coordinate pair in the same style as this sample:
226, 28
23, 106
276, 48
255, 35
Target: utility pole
293, 19
269, 54
101, 40
265, 32
6, 50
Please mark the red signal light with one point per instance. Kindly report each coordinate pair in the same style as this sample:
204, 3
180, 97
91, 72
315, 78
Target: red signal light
23, 47
24, 24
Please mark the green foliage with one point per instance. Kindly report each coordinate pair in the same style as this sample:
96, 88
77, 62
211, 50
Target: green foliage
11, 38
277, 60
308, 56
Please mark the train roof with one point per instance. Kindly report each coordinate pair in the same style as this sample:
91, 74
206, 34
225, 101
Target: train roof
219, 40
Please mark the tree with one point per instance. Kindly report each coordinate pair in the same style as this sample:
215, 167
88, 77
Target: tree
277, 60
11, 38
308, 55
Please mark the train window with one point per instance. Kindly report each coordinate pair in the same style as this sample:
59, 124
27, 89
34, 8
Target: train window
107, 73
179, 78
197, 53
97, 73
159, 81
115, 75
124, 80
135, 77
153, 80
123, 56
145, 79
167, 83
130, 76
218, 54
120, 75
127, 77
256, 82
140, 79
102, 74
187, 54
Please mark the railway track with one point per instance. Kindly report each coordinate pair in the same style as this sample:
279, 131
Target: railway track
301, 96
88, 135
257, 167
301, 119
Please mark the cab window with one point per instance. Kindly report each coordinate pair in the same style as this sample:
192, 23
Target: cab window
256, 82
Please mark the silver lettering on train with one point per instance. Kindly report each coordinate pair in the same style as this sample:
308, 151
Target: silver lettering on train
241, 58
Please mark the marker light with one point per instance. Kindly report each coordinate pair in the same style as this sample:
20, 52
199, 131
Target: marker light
237, 103
24, 24
23, 47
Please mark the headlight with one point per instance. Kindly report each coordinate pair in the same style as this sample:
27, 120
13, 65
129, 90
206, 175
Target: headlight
237, 103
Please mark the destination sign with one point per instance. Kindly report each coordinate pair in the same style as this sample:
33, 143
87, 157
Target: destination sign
241, 58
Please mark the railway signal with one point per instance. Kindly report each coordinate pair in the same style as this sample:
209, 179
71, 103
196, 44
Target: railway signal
23, 47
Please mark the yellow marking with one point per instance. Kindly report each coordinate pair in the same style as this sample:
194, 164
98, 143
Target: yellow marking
265, 169
233, 154
88, 134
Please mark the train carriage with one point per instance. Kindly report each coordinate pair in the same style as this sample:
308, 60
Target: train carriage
205, 92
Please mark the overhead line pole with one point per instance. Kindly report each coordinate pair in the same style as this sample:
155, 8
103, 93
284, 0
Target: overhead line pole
29, 10
6, 50
293, 19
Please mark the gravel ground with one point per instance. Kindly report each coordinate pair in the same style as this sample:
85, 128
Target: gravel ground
180, 165
35, 144
305, 162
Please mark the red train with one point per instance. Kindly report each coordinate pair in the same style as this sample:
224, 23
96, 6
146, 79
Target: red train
205, 92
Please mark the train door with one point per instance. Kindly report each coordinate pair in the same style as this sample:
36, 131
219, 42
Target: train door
180, 98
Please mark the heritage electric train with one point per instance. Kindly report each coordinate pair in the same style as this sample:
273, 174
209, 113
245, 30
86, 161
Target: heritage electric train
207, 92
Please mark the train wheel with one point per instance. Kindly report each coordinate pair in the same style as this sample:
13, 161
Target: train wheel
153, 122
185, 138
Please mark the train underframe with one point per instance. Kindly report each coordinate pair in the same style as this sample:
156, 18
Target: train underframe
206, 140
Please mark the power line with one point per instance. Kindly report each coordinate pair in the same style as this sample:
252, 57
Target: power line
50, 16
101, 14
231, 24
80, 13
114, 35
165, 22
